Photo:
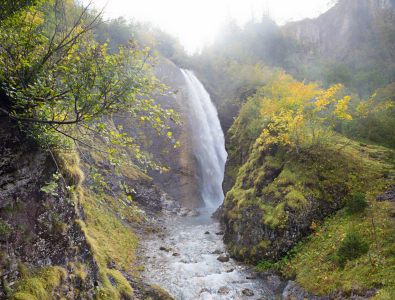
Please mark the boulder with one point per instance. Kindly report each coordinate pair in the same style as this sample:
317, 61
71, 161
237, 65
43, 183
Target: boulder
223, 258
223, 290
247, 292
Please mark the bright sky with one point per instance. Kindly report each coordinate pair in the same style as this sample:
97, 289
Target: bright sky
197, 22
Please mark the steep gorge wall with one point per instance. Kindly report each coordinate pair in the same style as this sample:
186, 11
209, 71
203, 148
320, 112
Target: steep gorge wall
274, 195
37, 229
344, 29
76, 247
181, 182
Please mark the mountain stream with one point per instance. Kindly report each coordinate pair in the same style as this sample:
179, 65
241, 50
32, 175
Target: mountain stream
182, 259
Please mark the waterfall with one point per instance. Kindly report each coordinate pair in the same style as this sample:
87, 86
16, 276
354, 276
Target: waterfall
208, 141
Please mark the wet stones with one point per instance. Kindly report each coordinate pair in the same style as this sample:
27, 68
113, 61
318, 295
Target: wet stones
247, 292
165, 249
176, 254
217, 252
223, 290
227, 269
223, 258
207, 232
251, 276
219, 233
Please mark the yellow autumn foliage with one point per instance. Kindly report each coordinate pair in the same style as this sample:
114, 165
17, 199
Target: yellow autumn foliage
298, 114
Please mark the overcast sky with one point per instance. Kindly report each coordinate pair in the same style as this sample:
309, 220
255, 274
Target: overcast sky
197, 22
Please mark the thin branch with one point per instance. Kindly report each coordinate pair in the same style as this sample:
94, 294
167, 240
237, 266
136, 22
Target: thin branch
39, 121
78, 140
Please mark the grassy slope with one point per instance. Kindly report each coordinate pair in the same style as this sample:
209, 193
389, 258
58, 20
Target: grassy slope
107, 231
355, 167
312, 262
314, 265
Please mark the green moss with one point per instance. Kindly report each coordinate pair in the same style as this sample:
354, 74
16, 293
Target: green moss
107, 292
78, 270
123, 285
295, 199
264, 244
315, 262
23, 271
40, 284
274, 216
109, 238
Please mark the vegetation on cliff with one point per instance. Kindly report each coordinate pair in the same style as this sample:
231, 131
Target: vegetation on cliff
60, 89
359, 58
290, 169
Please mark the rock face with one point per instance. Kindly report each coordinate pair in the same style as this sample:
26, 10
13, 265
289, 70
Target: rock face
38, 229
342, 30
389, 195
181, 181
270, 203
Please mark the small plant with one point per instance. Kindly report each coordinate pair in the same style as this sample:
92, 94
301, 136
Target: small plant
21, 227
5, 229
352, 247
357, 203
8, 210
264, 265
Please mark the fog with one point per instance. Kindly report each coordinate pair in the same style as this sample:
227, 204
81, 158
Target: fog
197, 23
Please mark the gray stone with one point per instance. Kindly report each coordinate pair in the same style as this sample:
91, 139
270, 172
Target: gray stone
223, 290
251, 276
223, 258
247, 292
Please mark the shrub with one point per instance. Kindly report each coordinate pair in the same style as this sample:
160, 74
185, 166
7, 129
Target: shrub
357, 203
352, 247
264, 265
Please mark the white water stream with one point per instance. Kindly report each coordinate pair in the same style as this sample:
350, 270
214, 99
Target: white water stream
189, 269
196, 273
208, 141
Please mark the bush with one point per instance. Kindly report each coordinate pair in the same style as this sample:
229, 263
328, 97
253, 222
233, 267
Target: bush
352, 247
264, 265
357, 203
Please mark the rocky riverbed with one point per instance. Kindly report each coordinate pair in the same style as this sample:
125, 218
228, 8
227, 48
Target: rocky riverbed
188, 258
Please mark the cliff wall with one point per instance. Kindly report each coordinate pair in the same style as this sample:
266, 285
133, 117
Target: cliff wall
344, 29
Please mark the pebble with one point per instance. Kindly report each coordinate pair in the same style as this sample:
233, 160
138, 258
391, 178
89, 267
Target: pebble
223, 290
247, 292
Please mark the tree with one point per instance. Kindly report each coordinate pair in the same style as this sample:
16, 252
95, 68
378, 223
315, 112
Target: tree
58, 84
10, 7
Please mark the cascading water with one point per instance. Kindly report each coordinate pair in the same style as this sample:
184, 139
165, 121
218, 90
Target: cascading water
189, 268
208, 141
